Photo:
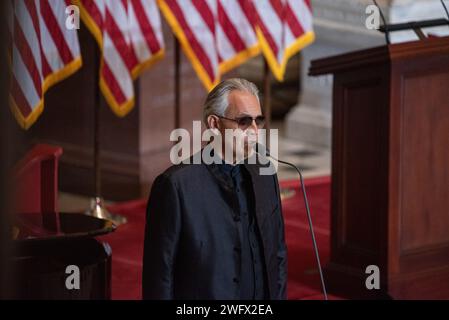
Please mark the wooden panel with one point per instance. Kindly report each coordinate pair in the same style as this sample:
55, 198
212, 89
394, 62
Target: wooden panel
359, 143
362, 203
419, 184
422, 178
425, 160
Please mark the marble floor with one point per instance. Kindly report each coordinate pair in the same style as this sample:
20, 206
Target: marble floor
313, 161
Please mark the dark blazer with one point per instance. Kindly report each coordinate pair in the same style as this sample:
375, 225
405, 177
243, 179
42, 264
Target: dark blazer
192, 240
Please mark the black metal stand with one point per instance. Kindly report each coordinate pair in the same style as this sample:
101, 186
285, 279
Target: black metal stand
97, 208
416, 26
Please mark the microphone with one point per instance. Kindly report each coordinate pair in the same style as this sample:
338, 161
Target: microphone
261, 148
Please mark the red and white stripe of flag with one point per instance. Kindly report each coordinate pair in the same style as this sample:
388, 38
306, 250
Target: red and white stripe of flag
42, 52
236, 38
284, 27
130, 38
216, 35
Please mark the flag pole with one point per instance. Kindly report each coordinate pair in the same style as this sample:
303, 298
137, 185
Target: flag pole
267, 95
97, 169
97, 208
177, 56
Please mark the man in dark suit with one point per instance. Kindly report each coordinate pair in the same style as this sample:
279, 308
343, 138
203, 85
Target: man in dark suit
216, 231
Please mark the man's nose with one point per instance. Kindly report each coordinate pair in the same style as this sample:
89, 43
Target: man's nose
253, 125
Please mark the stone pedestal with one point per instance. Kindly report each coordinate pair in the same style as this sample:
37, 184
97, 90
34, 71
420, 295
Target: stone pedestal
340, 27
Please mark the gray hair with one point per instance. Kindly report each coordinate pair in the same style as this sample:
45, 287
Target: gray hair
217, 100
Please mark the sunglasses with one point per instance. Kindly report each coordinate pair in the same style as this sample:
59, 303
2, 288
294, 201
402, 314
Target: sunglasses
246, 121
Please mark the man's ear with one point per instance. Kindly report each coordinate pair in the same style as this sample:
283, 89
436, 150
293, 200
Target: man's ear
213, 122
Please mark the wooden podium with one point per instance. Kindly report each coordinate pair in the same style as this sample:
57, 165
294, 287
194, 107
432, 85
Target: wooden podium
390, 170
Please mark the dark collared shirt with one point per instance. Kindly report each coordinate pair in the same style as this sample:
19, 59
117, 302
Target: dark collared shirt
253, 277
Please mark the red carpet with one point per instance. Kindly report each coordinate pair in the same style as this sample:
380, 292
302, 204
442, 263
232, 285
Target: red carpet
303, 278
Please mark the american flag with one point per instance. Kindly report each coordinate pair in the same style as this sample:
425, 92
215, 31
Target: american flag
130, 38
283, 27
236, 37
216, 35
42, 52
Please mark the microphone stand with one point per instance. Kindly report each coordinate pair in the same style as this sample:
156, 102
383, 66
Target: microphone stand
309, 217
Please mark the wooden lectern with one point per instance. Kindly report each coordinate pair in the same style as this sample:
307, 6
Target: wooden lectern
390, 170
